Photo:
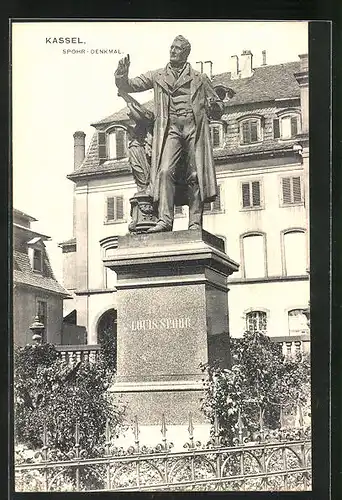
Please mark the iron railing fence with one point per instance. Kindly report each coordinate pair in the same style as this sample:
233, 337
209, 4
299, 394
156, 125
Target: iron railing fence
274, 460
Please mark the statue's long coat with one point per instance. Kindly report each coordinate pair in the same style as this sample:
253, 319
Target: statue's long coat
202, 93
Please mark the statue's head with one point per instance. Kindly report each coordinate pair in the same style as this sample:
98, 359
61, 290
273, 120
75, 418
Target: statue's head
180, 50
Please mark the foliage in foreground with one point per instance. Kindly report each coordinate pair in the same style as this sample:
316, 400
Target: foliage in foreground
48, 390
261, 384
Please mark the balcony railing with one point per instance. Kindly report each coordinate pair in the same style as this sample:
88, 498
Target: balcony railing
291, 346
72, 354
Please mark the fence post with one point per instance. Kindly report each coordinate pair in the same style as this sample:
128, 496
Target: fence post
136, 434
45, 455
107, 450
163, 431
191, 431
216, 430
77, 448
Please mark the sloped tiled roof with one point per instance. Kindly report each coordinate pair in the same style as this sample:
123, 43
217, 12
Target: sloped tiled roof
24, 275
122, 115
267, 83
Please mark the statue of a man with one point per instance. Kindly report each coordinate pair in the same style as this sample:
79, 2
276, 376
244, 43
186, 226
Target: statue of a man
184, 101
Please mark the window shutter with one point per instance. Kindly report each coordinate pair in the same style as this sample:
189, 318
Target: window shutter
297, 195
207, 207
120, 143
276, 128
294, 126
246, 137
256, 193
286, 185
110, 208
101, 140
245, 195
254, 131
216, 136
217, 201
119, 208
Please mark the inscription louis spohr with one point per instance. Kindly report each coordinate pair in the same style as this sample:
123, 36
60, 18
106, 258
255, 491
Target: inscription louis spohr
161, 323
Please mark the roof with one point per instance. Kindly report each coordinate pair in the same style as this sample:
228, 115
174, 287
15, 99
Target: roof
268, 83
65, 243
31, 233
24, 275
23, 214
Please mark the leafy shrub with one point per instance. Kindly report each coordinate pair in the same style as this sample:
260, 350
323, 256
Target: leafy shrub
257, 385
51, 392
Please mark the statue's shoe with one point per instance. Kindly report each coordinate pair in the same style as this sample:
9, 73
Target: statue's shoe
195, 225
160, 227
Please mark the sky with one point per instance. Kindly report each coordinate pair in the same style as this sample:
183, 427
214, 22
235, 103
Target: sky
55, 93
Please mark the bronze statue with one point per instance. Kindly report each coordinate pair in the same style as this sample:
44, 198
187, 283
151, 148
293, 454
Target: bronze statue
182, 166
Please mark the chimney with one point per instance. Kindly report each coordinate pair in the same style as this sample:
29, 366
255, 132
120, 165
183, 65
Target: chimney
234, 73
210, 68
303, 80
246, 64
79, 148
264, 58
304, 62
201, 65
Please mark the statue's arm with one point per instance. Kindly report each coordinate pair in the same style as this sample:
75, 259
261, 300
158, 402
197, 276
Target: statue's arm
216, 106
138, 84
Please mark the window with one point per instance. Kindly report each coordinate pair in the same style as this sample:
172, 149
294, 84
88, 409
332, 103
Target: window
298, 323
115, 209
37, 260
214, 206
295, 261
110, 276
251, 194
291, 190
254, 259
41, 312
109, 245
256, 321
117, 144
216, 135
250, 131
286, 127
178, 211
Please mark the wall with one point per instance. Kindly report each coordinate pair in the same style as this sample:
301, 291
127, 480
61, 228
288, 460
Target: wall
277, 298
24, 312
69, 269
230, 223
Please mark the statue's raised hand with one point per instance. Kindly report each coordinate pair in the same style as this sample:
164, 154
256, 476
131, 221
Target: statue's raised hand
123, 65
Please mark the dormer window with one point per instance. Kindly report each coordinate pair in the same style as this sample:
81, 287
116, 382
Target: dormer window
117, 144
36, 254
37, 260
113, 144
224, 93
286, 126
250, 130
216, 134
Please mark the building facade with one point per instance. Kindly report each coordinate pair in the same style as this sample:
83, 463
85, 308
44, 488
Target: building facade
36, 290
261, 157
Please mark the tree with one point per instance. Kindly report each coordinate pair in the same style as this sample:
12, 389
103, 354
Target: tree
49, 393
259, 384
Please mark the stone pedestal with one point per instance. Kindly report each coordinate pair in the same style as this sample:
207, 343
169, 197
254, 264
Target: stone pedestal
172, 316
